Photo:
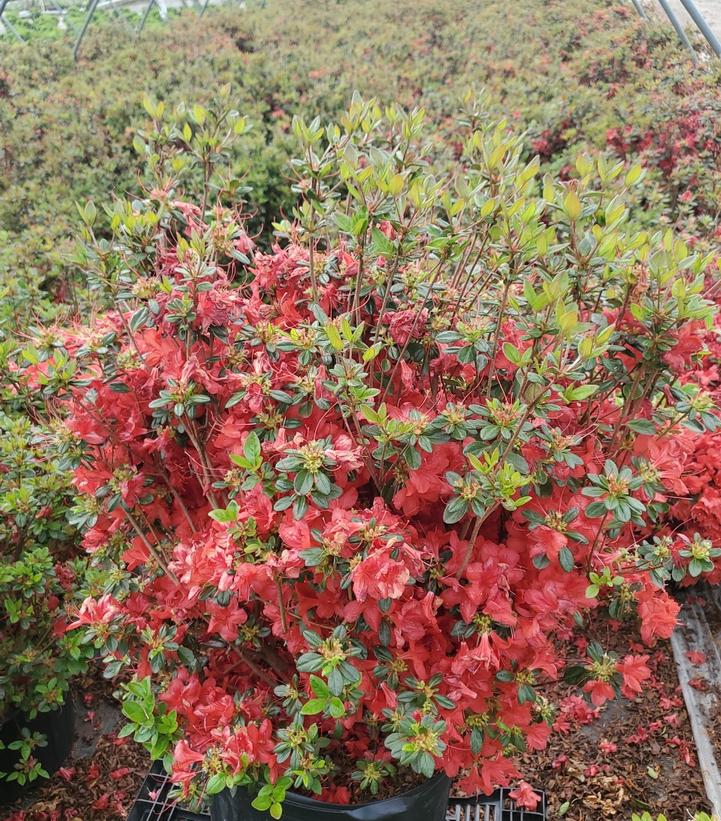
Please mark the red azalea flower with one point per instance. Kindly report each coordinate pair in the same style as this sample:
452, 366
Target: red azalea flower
525, 797
600, 691
184, 759
379, 577
634, 671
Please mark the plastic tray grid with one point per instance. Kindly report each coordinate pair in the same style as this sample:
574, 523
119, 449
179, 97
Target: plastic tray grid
153, 804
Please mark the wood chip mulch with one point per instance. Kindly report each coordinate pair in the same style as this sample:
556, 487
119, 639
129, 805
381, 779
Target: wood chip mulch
101, 778
629, 756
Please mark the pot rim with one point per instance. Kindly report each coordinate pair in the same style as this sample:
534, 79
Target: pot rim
17, 715
327, 806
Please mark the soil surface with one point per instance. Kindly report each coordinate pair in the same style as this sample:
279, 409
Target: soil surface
633, 756
102, 774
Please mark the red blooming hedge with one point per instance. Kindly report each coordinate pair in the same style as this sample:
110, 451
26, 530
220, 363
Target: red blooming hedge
351, 492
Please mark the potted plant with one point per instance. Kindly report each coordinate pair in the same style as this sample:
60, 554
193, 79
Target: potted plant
351, 492
39, 576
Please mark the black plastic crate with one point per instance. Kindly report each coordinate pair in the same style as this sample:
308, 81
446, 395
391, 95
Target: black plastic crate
153, 804
495, 807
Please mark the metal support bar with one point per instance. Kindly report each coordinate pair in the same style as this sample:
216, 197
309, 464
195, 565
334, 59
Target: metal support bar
13, 30
93, 4
6, 23
3, 4
145, 15
639, 8
703, 26
701, 707
117, 10
676, 23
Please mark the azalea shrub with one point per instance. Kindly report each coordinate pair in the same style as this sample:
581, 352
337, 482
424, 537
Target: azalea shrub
699, 501
681, 144
575, 74
350, 495
42, 571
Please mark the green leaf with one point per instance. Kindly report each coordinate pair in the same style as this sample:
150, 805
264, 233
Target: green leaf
252, 449
261, 802
695, 567
512, 354
313, 707
322, 483
281, 396
596, 509
426, 765
566, 560
134, 712
645, 426
540, 561
579, 393
572, 206
634, 174
334, 337
319, 687
455, 510
234, 399
344, 222
382, 244
303, 482
575, 674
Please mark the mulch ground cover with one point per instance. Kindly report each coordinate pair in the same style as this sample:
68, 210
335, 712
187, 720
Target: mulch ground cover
625, 757
102, 775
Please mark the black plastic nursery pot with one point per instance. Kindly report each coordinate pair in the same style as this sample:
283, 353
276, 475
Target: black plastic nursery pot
154, 804
57, 726
426, 802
